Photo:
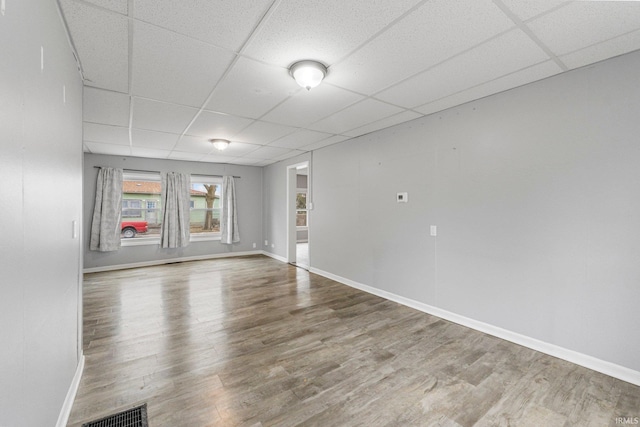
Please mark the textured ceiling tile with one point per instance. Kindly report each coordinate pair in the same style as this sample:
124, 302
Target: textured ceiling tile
529, 9
322, 30
306, 107
516, 50
101, 40
223, 23
300, 139
120, 6
267, 152
149, 152
584, 23
431, 34
263, 133
289, 155
216, 125
217, 158
112, 149
613, 47
151, 139
237, 149
249, 161
174, 68
106, 134
181, 155
194, 144
106, 107
355, 116
252, 88
160, 116
537, 72
325, 142
402, 117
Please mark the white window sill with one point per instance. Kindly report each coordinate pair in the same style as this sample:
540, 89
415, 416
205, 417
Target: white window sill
144, 241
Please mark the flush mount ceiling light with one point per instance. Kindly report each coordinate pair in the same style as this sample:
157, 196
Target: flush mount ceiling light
308, 73
220, 144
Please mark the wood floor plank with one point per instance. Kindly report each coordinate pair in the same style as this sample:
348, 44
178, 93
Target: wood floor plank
254, 342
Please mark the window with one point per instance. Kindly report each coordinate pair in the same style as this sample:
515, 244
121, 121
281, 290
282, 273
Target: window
206, 195
141, 213
301, 208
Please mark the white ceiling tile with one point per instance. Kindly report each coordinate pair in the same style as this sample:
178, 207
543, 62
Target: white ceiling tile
263, 133
105, 133
402, 117
151, 139
322, 30
217, 158
247, 161
222, 23
150, 152
436, 31
264, 162
300, 139
106, 107
355, 116
252, 88
598, 52
194, 144
217, 125
160, 116
181, 155
306, 107
325, 142
120, 6
101, 40
237, 149
584, 23
112, 149
289, 155
267, 152
516, 50
529, 9
519, 78
171, 67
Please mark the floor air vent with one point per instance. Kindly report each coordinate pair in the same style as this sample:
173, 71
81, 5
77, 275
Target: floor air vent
135, 417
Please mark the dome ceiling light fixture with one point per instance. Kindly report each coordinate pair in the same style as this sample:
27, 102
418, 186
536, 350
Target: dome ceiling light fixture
308, 73
220, 144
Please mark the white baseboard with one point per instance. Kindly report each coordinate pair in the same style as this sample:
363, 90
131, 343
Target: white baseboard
169, 261
63, 418
602, 366
274, 256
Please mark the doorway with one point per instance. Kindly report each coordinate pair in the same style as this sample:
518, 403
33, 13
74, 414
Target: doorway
298, 215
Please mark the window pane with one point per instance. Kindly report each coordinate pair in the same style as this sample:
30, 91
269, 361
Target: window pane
301, 201
205, 208
141, 213
301, 218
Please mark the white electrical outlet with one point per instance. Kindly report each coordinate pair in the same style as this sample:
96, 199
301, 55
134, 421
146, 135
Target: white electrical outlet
433, 230
254, 246
273, 245
402, 197
266, 243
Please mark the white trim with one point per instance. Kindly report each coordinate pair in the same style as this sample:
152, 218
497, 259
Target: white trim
274, 256
65, 411
590, 362
170, 260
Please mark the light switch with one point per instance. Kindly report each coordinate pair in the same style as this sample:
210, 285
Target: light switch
434, 230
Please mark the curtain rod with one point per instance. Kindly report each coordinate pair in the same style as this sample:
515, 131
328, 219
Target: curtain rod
140, 170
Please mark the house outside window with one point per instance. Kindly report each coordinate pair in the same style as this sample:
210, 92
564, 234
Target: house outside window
206, 195
141, 206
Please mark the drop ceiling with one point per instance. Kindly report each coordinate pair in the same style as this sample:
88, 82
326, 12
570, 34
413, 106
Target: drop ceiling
163, 76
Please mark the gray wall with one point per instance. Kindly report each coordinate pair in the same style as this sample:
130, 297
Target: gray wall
249, 192
41, 195
535, 193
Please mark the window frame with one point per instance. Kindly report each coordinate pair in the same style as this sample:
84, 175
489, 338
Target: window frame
149, 177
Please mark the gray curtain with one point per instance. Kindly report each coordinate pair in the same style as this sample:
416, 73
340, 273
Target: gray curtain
174, 232
229, 221
107, 211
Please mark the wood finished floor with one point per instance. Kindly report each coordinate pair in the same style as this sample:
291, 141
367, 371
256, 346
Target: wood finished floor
255, 342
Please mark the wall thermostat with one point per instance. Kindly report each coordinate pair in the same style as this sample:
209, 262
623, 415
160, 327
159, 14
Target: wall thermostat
402, 197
